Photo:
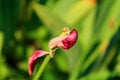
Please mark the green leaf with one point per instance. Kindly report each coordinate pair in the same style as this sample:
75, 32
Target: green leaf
62, 61
100, 75
78, 11
62, 7
48, 18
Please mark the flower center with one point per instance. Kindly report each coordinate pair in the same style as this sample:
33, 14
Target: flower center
65, 31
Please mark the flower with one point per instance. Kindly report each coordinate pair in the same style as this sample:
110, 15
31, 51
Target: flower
70, 40
33, 60
65, 41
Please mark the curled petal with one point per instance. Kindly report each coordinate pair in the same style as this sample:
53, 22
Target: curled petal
33, 60
70, 40
65, 42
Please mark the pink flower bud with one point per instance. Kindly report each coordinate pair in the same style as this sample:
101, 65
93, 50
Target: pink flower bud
33, 60
70, 40
65, 42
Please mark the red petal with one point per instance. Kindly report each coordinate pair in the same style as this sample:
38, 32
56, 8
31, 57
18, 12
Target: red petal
65, 42
69, 41
33, 60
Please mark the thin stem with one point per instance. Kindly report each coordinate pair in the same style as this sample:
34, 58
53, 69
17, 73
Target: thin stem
41, 69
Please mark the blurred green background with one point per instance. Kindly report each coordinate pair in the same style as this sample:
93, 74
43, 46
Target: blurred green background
28, 25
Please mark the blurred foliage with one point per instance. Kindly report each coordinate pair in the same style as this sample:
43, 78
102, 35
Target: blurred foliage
28, 25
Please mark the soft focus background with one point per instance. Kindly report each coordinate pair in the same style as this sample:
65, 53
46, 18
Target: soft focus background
28, 25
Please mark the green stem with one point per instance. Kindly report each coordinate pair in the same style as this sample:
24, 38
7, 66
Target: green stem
41, 69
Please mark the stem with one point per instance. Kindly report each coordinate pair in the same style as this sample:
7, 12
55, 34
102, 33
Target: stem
41, 69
